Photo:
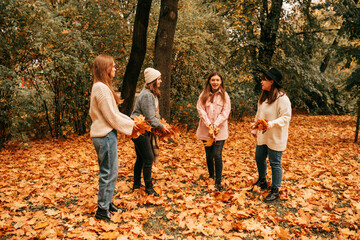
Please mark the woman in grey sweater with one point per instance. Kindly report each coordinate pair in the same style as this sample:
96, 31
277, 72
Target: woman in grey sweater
147, 104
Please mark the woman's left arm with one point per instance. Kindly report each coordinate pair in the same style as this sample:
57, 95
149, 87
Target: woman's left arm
224, 115
283, 112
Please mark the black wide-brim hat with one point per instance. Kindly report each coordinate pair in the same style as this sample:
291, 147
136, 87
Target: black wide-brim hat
273, 74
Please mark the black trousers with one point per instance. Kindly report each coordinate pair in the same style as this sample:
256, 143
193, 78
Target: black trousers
144, 160
214, 158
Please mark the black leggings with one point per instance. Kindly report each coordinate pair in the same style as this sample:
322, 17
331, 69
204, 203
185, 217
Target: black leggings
144, 160
214, 154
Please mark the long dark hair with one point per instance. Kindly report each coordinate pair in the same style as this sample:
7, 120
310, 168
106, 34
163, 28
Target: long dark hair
207, 92
153, 88
275, 92
101, 72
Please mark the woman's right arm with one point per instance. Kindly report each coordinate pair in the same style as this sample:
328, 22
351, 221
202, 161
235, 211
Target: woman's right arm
202, 112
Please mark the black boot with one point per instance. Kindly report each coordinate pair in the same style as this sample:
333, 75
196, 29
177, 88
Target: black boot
135, 187
273, 195
218, 184
261, 182
113, 208
149, 189
103, 214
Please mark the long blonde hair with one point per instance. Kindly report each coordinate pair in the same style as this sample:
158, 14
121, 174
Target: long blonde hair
101, 71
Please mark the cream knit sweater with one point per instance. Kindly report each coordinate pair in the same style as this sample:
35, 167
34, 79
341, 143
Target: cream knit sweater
105, 114
278, 115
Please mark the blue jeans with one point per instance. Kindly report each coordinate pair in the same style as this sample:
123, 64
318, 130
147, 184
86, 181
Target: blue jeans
144, 160
214, 157
106, 149
262, 151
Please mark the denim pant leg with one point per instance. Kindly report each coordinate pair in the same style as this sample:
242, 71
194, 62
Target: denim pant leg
276, 168
217, 153
145, 157
106, 149
261, 153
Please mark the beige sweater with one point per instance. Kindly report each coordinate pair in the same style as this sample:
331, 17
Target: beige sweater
278, 114
105, 114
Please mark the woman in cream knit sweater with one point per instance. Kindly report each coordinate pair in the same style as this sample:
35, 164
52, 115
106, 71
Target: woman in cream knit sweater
275, 107
106, 122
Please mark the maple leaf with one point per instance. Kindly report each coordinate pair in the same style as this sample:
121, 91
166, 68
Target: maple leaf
227, 226
283, 234
142, 125
212, 132
110, 235
173, 131
260, 124
41, 225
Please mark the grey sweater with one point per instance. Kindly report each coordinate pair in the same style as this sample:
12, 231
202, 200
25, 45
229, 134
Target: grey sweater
145, 105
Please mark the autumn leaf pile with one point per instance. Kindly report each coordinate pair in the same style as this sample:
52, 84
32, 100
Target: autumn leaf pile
49, 189
173, 131
142, 125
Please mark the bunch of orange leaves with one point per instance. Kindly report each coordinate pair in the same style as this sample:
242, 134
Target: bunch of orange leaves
213, 131
173, 132
260, 124
142, 126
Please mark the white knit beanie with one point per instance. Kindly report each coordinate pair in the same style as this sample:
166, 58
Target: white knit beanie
151, 74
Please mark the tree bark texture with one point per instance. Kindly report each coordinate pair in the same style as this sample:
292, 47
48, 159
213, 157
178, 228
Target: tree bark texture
357, 122
163, 51
269, 24
137, 55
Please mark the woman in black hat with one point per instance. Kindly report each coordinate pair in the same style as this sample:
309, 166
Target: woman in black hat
274, 106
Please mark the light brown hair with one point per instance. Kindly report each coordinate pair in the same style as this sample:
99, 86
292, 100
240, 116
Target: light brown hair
207, 92
153, 88
101, 71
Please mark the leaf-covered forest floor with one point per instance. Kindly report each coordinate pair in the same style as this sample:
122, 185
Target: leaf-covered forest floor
49, 189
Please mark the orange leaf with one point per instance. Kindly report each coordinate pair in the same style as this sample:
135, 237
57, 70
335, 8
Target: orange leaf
142, 125
260, 124
41, 225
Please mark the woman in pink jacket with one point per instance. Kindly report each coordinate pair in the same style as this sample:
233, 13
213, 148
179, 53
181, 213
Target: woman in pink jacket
214, 108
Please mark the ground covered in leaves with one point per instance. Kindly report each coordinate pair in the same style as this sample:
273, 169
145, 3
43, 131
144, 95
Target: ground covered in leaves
49, 189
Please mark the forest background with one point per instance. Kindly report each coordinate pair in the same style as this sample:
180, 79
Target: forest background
48, 172
47, 48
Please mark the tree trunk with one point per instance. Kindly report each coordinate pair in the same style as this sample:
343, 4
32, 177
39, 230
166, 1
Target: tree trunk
269, 23
357, 122
137, 55
163, 51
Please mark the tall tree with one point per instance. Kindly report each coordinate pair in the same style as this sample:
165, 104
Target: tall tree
137, 55
269, 24
163, 50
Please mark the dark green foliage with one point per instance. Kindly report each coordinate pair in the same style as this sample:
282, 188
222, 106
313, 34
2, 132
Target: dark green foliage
6, 97
50, 47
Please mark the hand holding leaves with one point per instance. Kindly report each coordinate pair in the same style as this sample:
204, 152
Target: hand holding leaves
168, 131
213, 131
261, 124
141, 126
